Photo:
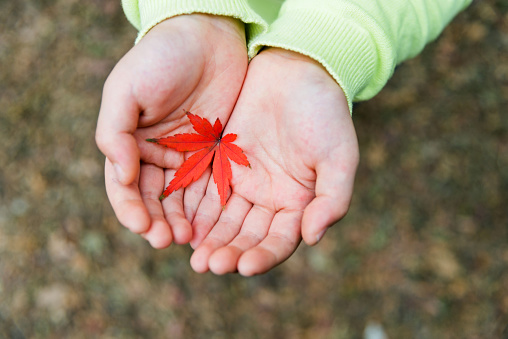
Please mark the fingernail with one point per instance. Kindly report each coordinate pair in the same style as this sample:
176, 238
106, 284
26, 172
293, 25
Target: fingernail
120, 174
321, 234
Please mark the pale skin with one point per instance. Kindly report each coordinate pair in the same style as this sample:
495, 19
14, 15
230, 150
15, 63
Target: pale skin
193, 62
294, 125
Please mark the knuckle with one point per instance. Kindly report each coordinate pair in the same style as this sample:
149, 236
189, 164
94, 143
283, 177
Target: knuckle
100, 140
341, 210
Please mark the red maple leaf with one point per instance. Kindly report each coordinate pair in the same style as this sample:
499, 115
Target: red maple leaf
212, 146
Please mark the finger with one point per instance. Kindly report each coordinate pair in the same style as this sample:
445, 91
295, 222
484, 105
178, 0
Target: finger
207, 214
334, 189
253, 231
194, 194
173, 208
118, 118
226, 228
151, 183
158, 155
282, 240
126, 201
175, 121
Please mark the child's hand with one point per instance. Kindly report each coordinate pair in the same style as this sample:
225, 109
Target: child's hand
197, 62
294, 125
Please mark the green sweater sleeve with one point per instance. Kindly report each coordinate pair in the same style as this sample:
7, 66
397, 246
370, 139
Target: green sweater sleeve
359, 42
145, 14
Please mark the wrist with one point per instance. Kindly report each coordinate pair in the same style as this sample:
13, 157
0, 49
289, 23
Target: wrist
147, 14
224, 23
203, 25
310, 69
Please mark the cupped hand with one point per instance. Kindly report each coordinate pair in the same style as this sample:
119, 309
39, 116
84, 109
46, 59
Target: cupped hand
294, 125
193, 62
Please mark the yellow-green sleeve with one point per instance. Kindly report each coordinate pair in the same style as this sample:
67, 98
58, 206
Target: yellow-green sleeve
145, 14
359, 42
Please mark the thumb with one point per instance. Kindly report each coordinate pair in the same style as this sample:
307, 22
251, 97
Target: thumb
118, 119
334, 188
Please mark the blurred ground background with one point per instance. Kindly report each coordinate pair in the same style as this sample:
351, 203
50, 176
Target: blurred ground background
423, 251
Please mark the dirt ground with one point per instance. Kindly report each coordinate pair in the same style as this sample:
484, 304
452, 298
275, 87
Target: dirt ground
423, 251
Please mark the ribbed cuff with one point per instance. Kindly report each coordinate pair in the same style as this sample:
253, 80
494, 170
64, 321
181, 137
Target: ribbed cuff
131, 10
152, 12
336, 38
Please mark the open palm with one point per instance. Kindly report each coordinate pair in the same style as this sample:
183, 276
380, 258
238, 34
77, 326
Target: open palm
294, 125
194, 62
